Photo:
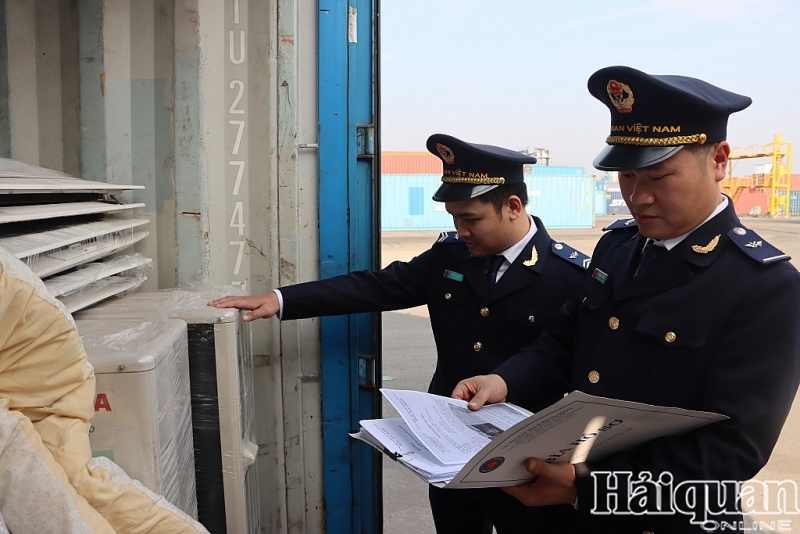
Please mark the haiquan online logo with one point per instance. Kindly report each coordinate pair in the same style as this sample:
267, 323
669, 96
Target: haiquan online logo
705, 502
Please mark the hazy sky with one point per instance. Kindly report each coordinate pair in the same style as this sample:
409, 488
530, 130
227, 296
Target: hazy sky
513, 72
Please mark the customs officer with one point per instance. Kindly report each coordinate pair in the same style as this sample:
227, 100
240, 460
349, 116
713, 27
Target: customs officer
682, 306
491, 287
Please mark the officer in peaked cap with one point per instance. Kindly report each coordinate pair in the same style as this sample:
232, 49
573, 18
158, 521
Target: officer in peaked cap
490, 288
470, 170
683, 307
654, 116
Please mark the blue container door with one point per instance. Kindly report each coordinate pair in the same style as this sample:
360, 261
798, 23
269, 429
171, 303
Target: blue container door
349, 232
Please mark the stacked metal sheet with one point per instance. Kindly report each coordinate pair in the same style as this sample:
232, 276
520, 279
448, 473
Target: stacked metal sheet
72, 233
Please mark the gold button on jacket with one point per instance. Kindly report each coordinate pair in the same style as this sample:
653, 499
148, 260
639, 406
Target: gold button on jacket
484, 312
478, 346
613, 323
594, 377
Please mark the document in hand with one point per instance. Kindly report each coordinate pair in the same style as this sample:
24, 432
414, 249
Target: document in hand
448, 445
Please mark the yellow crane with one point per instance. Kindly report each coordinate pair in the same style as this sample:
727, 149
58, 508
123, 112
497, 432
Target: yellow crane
777, 179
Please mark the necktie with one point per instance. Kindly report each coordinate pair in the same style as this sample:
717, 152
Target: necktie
650, 253
494, 265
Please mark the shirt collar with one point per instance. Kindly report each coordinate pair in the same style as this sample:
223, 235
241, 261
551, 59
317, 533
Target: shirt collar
672, 242
511, 253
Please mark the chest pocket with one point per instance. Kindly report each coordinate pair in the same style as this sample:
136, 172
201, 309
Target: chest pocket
673, 330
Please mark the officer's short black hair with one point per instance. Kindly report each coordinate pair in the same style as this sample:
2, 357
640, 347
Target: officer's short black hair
498, 196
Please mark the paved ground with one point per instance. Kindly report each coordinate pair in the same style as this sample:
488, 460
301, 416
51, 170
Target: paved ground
409, 360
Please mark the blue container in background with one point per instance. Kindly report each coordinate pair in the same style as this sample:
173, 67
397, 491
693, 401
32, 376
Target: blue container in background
794, 203
563, 197
615, 205
407, 203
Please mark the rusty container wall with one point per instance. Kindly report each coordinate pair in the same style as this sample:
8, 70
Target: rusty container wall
212, 106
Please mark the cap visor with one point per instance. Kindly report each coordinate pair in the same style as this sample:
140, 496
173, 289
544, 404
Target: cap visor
458, 192
628, 157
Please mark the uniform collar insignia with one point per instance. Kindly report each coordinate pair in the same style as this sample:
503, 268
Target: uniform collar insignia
707, 248
534, 258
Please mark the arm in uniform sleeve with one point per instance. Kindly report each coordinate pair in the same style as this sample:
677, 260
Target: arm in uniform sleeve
398, 286
752, 378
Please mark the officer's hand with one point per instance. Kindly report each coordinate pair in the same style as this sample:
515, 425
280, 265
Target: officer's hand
480, 390
265, 305
554, 484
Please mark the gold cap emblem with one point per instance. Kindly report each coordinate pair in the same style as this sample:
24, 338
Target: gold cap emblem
621, 96
446, 153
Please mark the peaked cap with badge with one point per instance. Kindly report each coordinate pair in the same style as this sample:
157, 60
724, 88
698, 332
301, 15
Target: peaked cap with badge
654, 116
470, 169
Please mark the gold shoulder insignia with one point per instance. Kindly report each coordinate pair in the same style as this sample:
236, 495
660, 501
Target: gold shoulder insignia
534, 258
708, 248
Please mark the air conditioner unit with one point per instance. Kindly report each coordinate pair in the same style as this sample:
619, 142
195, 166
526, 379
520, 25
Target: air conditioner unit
221, 378
143, 419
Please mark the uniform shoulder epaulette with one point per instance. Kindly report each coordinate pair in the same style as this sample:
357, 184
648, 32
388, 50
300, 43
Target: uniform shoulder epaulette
621, 223
566, 252
448, 237
751, 244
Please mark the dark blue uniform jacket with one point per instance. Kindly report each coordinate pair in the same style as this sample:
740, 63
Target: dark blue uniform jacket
475, 328
713, 325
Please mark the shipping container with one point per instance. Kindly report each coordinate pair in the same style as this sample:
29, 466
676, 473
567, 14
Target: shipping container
554, 170
407, 203
794, 203
752, 201
600, 199
410, 163
560, 200
615, 204
253, 126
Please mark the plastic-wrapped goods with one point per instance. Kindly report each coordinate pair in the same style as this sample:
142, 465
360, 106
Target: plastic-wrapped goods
221, 376
47, 387
94, 282
142, 403
53, 250
85, 275
44, 236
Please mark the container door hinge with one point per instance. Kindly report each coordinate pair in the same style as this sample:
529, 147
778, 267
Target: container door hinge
366, 371
365, 141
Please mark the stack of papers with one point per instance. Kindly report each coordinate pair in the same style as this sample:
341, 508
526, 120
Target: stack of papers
447, 444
